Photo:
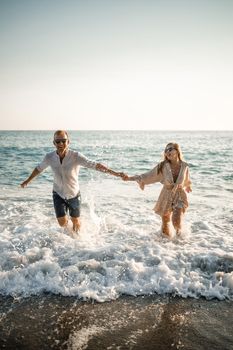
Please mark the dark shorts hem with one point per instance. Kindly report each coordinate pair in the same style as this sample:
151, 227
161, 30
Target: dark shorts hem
63, 206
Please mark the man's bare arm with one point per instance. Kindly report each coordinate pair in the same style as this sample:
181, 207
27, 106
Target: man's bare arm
105, 169
29, 179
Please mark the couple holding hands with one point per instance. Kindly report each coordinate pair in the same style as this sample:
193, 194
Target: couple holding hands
172, 172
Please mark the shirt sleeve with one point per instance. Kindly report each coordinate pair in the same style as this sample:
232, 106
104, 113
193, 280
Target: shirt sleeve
44, 164
85, 162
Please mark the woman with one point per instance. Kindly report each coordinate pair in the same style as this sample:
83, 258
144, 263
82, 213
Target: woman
173, 173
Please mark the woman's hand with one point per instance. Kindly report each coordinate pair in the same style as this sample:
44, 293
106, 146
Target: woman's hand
125, 177
188, 189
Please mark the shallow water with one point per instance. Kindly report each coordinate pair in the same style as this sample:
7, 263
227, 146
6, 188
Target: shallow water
120, 249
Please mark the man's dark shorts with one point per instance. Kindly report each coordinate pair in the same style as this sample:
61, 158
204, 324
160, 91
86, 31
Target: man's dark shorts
61, 205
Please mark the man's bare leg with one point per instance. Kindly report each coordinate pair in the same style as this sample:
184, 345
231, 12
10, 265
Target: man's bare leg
66, 224
76, 224
63, 221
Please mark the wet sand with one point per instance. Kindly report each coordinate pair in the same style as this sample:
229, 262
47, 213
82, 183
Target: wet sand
145, 322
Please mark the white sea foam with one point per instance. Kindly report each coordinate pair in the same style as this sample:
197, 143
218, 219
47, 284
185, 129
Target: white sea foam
79, 339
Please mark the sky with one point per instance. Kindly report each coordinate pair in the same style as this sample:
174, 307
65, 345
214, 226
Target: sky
116, 64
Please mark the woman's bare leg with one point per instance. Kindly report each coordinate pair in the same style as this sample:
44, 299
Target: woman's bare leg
166, 224
177, 218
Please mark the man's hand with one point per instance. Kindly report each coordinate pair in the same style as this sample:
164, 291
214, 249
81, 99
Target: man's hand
24, 184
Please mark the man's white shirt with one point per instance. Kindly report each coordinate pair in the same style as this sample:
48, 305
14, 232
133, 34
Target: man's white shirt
66, 173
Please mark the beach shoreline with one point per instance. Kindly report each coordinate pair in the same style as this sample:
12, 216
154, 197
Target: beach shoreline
145, 322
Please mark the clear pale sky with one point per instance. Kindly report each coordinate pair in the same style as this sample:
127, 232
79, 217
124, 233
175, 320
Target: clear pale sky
116, 64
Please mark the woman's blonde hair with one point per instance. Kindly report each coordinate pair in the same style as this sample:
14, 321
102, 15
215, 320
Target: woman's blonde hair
165, 159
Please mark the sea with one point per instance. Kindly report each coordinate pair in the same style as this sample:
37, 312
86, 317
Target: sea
120, 249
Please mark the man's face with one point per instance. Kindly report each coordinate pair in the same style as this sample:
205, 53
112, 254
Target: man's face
61, 142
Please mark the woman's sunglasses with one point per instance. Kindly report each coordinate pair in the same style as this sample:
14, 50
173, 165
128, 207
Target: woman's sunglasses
169, 149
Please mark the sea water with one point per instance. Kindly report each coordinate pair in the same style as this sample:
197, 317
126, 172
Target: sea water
120, 249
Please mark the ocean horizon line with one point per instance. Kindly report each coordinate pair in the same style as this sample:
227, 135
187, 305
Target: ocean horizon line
117, 130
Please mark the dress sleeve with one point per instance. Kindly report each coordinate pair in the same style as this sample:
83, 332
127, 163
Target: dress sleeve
44, 164
148, 178
85, 162
187, 180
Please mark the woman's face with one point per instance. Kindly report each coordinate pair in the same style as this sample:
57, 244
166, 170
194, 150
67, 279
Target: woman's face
171, 152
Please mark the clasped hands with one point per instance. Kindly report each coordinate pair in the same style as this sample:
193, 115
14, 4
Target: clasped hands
104, 169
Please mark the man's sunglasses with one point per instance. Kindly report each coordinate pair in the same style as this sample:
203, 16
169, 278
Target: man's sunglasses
60, 140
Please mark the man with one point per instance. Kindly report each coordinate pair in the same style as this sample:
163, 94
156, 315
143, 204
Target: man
65, 165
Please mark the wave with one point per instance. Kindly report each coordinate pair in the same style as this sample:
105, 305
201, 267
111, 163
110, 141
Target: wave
56, 263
